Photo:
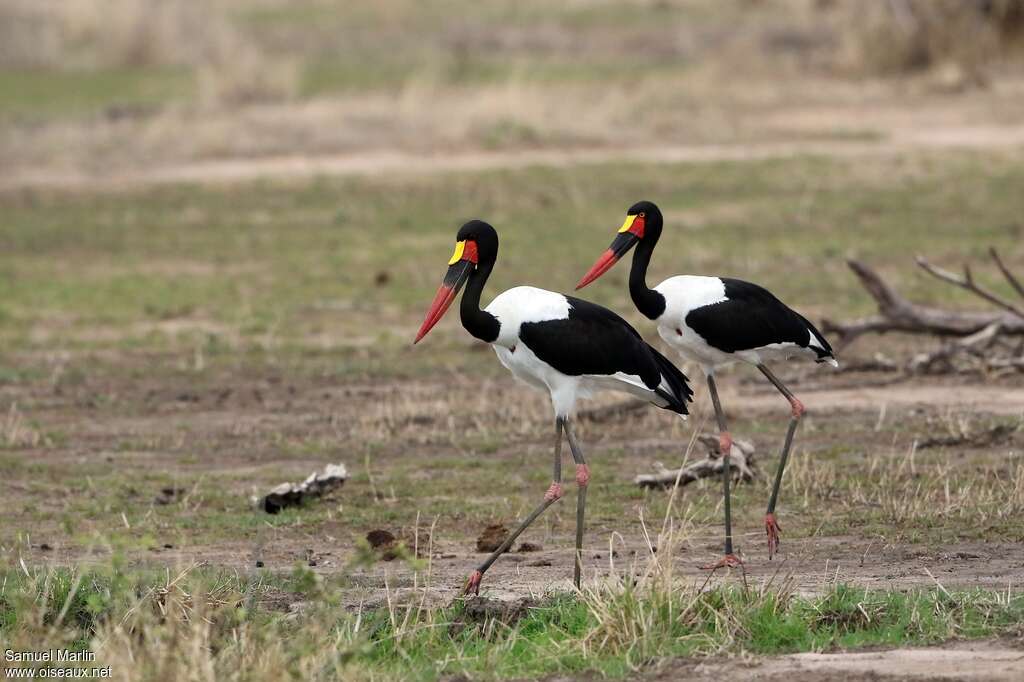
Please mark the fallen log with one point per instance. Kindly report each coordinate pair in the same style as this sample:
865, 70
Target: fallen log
741, 465
896, 313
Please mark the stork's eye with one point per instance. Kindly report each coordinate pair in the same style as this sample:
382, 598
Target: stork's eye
641, 214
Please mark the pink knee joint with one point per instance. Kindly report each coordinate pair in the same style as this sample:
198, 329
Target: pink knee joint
582, 474
798, 408
725, 443
554, 492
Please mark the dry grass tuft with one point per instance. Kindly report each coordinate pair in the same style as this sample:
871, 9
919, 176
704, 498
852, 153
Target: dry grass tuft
902, 492
901, 36
121, 34
16, 433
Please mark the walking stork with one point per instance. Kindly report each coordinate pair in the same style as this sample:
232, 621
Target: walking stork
716, 321
556, 343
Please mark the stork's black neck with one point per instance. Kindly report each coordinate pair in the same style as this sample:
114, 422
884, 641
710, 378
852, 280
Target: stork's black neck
479, 323
647, 301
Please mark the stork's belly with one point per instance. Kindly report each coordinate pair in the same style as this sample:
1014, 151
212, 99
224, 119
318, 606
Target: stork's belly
693, 347
525, 366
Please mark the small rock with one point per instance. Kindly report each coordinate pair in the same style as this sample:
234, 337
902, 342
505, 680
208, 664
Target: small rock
529, 547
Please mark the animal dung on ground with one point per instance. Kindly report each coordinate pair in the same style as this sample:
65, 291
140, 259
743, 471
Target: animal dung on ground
388, 546
169, 494
384, 544
492, 537
380, 538
316, 485
529, 547
741, 463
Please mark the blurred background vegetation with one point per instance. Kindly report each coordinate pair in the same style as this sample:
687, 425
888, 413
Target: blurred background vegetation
101, 84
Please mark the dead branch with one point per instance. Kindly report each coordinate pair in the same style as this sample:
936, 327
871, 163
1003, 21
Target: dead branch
741, 465
898, 314
974, 344
967, 283
316, 485
1010, 277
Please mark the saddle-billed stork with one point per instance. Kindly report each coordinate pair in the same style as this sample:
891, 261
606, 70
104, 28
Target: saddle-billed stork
715, 321
560, 344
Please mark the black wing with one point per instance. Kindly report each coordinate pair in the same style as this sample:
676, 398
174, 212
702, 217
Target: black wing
753, 317
594, 340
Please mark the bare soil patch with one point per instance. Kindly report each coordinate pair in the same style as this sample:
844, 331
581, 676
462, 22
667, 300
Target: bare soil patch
992, 661
217, 440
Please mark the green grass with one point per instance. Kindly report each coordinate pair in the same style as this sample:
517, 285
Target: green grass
45, 94
614, 630
269, 261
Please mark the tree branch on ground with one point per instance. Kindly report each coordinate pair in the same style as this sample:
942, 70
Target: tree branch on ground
983, 342
741, 465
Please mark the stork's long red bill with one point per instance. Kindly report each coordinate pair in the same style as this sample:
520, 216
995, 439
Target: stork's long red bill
442, 300
453, 280
603, 265
623, 242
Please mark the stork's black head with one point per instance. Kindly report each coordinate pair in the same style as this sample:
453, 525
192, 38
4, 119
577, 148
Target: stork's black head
643, 222
482, 236
476, 244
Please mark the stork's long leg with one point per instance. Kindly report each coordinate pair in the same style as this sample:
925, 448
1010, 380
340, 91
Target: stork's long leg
771, 526
725, 446
553, 494
582, 479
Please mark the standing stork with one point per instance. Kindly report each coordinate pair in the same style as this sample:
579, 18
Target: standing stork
715, 321
560, 344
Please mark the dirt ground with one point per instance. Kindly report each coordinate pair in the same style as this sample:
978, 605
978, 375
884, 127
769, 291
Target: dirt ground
230, 429
992, 661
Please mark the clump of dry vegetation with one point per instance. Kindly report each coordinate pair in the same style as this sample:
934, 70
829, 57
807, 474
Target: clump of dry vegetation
900, 36
198, 624
123, 34
907, 493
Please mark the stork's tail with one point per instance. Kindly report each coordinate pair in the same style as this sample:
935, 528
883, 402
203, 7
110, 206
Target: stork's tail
674, 387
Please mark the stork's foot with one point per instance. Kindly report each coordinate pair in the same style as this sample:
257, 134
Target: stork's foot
772, 530
728, 561
473, 584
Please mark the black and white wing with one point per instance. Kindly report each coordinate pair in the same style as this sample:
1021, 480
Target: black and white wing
750, 317
593, 341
